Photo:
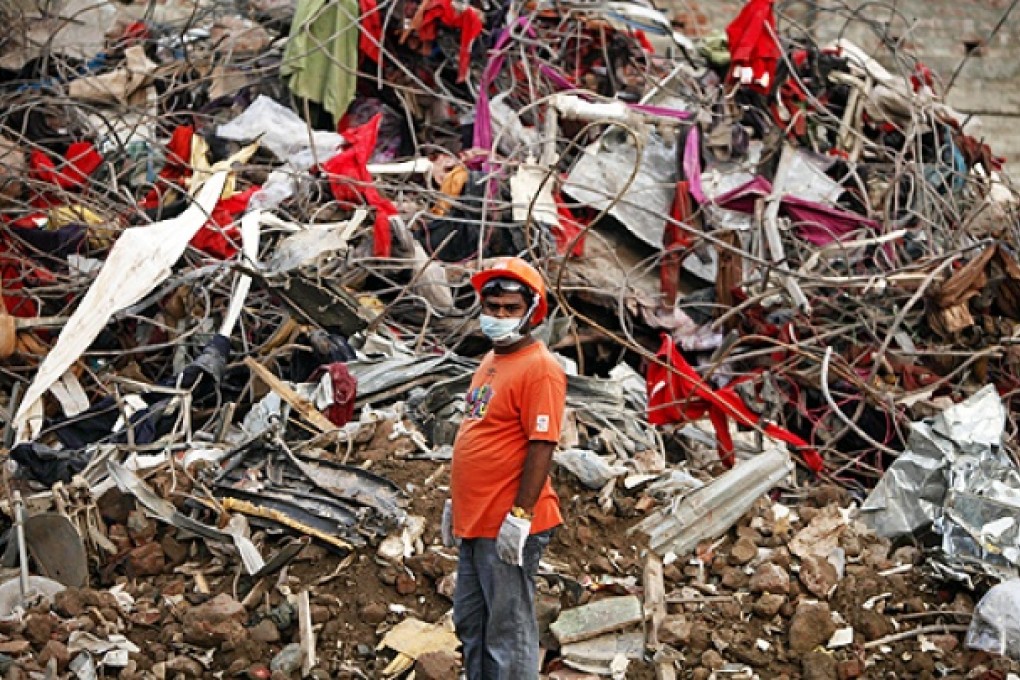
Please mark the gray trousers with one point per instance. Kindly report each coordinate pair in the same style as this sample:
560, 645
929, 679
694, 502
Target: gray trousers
494, 610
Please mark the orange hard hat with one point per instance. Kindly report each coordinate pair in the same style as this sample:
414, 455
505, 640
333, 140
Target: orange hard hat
516, 269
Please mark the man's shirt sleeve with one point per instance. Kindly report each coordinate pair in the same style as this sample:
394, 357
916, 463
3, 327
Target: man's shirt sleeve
543, 405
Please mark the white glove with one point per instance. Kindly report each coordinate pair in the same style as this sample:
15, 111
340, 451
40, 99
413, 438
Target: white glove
446, 529
511, 539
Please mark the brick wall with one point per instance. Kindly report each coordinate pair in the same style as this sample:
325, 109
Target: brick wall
939, 32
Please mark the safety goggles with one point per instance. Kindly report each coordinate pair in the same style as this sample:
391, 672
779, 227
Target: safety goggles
498, 286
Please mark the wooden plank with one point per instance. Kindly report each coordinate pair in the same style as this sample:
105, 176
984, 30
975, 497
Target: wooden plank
304, 407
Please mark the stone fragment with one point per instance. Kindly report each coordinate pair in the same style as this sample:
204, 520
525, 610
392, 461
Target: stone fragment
770, 578
288, 660
140, 528
849, 669
769, 604
818, 575
185, 666
38, 629
55, 650
592, 620
67, 603
147, 560
712, 660
265, 631
675, 630
810, 627
440, 665
818, 666
734, 578
743, 551
215, 622
405, 585
872, 625
373, 613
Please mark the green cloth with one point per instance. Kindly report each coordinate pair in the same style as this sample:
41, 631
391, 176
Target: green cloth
321, 58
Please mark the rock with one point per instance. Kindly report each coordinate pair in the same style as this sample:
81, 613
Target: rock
67, 603
388, 576
818, 575
770, 578
215, 622
175, 551
184, 665
712, 659
769, 604
15, 647
872, 625
55, 650
265, 631
147, 560
288, 660
140, 528
907, 554
373, 613
115, 506
946, 642
810, 627
436, 666
850, 669
405, 585
675, 630
734, 578
743, 551
818, 666
447, 585
38, 629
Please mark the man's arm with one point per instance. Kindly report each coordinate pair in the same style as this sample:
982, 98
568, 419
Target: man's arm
536, 471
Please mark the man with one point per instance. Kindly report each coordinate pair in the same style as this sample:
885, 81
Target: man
503, 508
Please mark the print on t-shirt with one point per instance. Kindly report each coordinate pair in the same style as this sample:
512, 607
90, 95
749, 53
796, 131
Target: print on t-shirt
478, 401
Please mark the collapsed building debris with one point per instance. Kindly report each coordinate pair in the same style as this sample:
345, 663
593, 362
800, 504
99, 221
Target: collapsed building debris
236, 331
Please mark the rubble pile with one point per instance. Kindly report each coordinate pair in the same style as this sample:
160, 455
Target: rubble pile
236, 330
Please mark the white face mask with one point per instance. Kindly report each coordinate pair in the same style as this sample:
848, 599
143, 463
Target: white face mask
501, 331
505, 332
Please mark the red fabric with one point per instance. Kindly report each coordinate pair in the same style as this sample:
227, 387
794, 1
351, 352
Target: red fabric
643, 40
345, 392
218, 236
371, 35
677, 393
674, 241
468, 22
570, 227
350, 181
72, 171
751, 42
176, 168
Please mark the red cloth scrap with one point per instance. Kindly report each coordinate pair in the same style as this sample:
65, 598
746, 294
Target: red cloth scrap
676, 393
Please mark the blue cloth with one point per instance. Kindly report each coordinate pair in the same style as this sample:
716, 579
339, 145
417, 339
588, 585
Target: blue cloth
494, 610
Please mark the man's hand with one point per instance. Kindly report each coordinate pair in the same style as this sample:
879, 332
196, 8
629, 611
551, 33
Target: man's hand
511, 539
446, 529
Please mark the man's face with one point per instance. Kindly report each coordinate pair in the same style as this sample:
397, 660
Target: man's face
505, 305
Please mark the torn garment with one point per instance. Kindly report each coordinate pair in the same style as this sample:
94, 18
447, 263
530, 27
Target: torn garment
677, 393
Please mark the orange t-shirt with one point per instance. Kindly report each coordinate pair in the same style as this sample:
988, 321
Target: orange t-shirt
513, 399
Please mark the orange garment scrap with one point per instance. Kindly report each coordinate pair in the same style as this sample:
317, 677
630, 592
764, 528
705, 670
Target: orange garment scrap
676, 393
513, 399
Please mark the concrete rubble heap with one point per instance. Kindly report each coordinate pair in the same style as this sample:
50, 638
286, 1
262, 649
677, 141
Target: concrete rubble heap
236, 328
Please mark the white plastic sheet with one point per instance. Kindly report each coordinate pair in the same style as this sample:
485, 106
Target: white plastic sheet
139, 261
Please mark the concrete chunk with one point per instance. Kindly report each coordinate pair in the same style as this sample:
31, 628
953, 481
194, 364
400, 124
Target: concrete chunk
592, 620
